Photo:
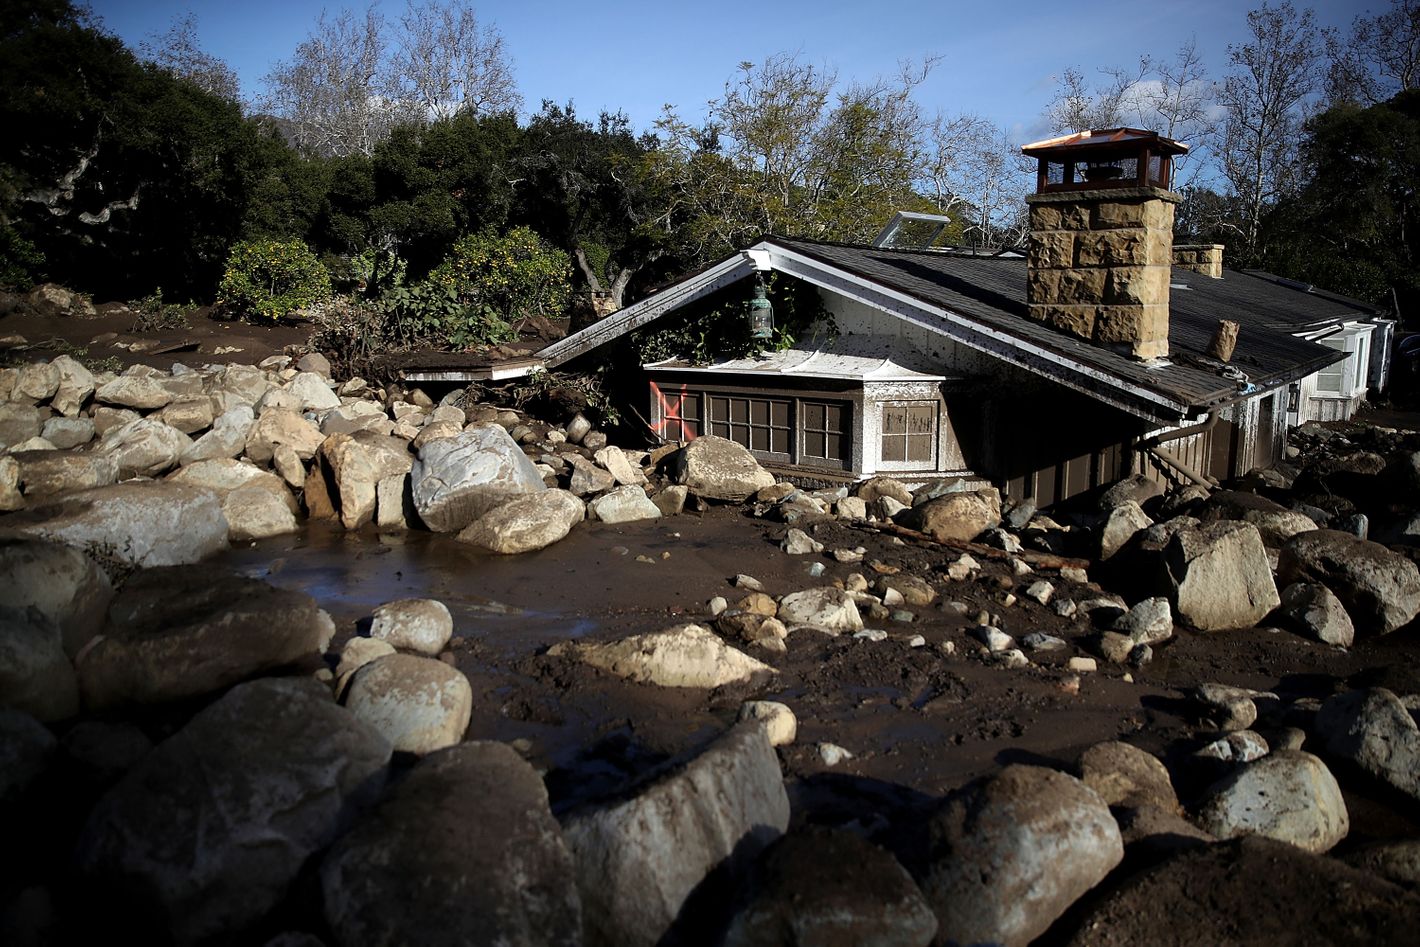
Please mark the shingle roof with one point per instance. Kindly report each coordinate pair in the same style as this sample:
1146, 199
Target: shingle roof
992, 290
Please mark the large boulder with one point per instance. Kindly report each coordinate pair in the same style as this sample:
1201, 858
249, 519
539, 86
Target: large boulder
48, 473
76, 384
464, 851
142, 392
1010, 854
20, 422
228, 437
1374, 730
1275, 523
638, 859
35, 674
282, 426
35, 382
718, 469
419, 704
26, 747
312, 392
526, 523
1220, 575
959, 517
354, 465
1125, 775
208, 832
819, 885
144, 448
64, 584
422, 625
683, 656
182, 632
1248, 891
1313, 610
623, 505
458, 479
1380, 588
139, 524
1120, 525
1288, 795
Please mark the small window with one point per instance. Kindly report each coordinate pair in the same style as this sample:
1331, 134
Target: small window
1363, 362
909, 433
680, 415
1331, 379
824, 436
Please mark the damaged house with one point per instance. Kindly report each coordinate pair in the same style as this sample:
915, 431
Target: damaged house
1106, 350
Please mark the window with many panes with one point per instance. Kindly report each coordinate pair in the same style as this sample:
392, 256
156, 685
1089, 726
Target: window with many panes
761, 424
909, 433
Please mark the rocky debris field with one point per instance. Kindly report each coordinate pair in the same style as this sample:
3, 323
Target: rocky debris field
291, 660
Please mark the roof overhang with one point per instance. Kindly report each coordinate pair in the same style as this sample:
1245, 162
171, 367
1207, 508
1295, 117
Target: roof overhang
1089, 380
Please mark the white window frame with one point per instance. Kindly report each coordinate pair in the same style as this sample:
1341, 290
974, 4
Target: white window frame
1355, 341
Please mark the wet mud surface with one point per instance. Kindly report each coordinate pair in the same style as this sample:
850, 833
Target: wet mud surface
919, 722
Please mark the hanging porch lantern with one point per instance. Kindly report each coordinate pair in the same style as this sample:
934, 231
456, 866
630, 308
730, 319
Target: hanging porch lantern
761, 312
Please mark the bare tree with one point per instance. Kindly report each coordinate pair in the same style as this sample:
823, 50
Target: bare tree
447, 62
1380, 56
1270, 81
352, 80
1076, 107
179, 53
334, 91
1179, 100
975, 174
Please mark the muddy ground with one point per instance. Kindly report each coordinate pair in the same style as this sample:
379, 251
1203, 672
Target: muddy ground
919, 721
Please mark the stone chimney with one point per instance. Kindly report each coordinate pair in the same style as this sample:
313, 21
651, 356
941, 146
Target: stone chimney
1205, 258
1101, 238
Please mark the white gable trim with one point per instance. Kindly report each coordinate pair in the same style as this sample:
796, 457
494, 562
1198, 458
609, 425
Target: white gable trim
960, 329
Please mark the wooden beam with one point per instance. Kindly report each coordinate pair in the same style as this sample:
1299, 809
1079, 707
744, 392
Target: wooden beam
1045, 560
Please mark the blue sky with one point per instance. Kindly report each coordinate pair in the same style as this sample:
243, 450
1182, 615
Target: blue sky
998, 59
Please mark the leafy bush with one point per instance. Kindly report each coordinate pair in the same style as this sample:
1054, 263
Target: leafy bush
20, 260
432, 313
155, 315
503, 280
270, 279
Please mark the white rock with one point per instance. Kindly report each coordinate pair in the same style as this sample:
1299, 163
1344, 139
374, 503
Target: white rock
831, 609
423, 625
832, 754
682, 656
1289, 796
799, 543
419, 704
626, 504
526, 523
778, 720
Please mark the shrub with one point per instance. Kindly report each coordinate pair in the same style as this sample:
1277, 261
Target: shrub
270, 279
153, 314
432, 313
502, 280
20, 260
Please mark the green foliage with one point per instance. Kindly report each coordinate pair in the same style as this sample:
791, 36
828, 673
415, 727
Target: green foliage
505, 279
434, 314
717, 326
122, 174
155, 315
377, 271
1353, 227
20, 260
271, 279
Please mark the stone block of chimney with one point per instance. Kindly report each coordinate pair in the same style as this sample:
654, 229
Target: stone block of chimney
1112, 286
1205, 258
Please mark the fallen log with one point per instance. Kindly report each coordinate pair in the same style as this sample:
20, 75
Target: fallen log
1044, 560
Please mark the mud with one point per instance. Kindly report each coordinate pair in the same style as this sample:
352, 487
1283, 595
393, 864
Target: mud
919, 722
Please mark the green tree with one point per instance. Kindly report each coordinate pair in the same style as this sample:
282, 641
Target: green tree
1353, 226
585, 187
125, 176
